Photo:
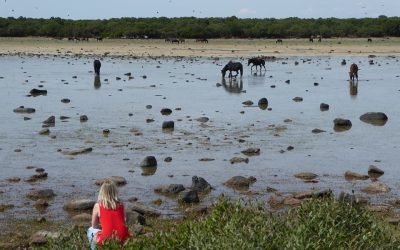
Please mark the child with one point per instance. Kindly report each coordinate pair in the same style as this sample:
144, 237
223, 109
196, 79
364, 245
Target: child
109, 213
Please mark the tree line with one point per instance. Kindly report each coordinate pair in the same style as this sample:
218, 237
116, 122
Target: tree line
191, 27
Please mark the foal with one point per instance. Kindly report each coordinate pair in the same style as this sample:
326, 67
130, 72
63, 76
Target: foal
353, 72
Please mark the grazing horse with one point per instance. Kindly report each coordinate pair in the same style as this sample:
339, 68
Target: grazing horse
181, 40
369, 40
256, 61
353, 72
232, 66
99, 39
319, 38
279, 41
175, 40
311, 39
202, 40
97, 65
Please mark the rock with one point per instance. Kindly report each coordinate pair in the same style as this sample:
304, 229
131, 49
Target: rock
276, 201
352, 199
341, 124
298, 99
317, 131
376, 187
199, 184
77, 151
41, 204
374, 118
313, 194
44, 131
290, 148
238, 160
375, 172
291, 201
306, 176
324, 107
118, 180
13, 179
65, 100
166, 111
4, 207
196, 210
349, 176
50, 121
40, 237
147, 171
247, 103
83, 217
106, 132
238, 182
37, 177
168, 159
203, 119
148, 106
22, 109
168, 125
79, 205
251, 151
133, 217
37, 92
40, 194
172, 189
62, 118
379, 208
206, 159
263, 102
144, 210
83, 118
148, 161
190, 196
394, 221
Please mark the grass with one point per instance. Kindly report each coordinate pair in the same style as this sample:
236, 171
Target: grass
317, 224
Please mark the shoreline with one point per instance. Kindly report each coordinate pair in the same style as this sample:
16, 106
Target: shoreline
215, 48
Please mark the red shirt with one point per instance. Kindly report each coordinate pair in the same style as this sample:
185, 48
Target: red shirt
113, 224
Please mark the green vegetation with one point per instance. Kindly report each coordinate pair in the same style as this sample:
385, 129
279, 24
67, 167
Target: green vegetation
317, 224
191, 27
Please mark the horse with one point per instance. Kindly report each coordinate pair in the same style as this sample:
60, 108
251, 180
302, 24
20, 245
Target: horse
97, 65
181, 40
232, 66
279, 41
369, 40
175, 40
353, 72
311, 39
99, 39
256, 61
202, 40
319, 38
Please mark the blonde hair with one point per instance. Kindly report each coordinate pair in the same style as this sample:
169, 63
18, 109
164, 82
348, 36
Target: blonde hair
108, 195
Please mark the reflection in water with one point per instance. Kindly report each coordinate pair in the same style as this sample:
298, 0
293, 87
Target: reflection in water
234, 86
260, 74
97, 82
353, 86
146, 171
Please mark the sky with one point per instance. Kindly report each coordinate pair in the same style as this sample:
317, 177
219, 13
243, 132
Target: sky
105, 9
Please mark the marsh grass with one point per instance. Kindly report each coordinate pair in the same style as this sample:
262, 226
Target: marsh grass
317, 224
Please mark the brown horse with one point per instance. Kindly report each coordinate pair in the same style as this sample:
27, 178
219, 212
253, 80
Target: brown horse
279, 41
256, 61
353, 72
232, 66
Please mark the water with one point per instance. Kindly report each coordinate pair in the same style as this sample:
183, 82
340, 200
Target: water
190, 84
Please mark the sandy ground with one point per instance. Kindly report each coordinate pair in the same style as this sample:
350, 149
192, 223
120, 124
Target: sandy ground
215, 47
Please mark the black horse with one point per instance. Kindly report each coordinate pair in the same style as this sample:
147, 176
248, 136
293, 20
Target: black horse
256, 61
97, 66
232, 66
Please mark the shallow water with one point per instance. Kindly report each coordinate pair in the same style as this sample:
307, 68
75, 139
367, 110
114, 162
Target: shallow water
190, 84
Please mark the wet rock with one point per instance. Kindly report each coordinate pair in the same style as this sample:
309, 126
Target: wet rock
374, 118
189, 197
41, 194
343, 62
375, 172
199, 184
37, 92
41, 204
106, 132
118, 180
51, 121
306, 176
196, 210
349, 176
22, 109
313, 194
276, 201
13, 179
263, 103
291, 201
203, 119
239, 182
376, 187
65, 100
41, 237
206, 159
37, 177
287, 81
168, 159
324, 107
83, 217
247, 103
149, 120
317, 131
251, 151
133, 217
172, 189
149, 161
168, 125
83, 118
235, 160
298, 99
166, 111
4, 207
379, 208
290, 148
147, 171
341, 124
77, 151
144, 209
79, 205
44, 131
148, 106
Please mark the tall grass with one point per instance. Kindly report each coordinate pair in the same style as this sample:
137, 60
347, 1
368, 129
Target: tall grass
317, 224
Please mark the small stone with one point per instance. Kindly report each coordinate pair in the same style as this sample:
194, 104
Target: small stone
251, 151
349, 175
83, 118
166, 111
298, 99
247, 103
118, 180
168, 125
324, 107
44, 131
65, 100
306, 175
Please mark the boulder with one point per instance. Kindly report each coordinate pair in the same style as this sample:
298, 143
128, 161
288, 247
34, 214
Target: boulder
36, 92
133, 217
313, 194
172, 189
83, 217
50, 121
44, 131
263, 103
144, 209
22, 109
79, 205
238, 160
199, 184
306, 176
168, 125
166, 111
349, 176
374, 118
324, 107
77, 151
251, 151
149, 161
376, 187
341, 124
189, 197
65, 100
40, 194
4, 207
375, 172
118, 180
239, 182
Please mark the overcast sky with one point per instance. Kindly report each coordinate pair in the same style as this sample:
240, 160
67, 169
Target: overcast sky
105, 9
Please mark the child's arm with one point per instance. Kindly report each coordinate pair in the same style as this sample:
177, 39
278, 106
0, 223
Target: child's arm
96, 216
